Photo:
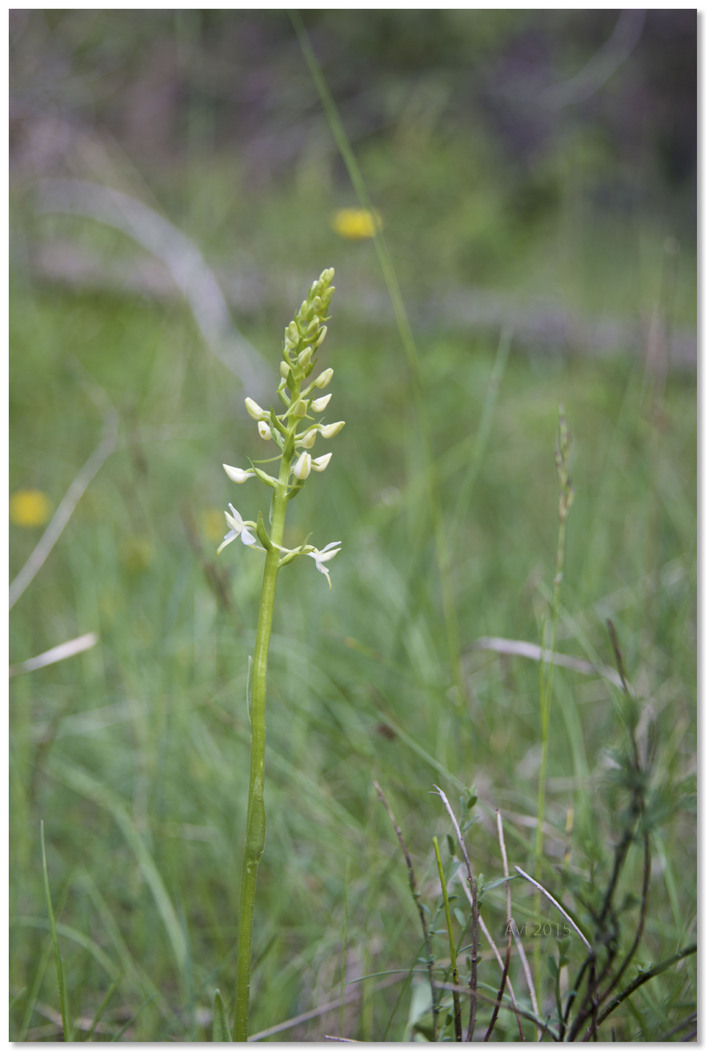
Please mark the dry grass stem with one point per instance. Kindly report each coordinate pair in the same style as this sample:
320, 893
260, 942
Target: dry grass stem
64, 511
531, 651
556, 905
508, 921
57, 653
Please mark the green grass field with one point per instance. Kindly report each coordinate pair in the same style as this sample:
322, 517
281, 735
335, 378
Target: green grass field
134, 754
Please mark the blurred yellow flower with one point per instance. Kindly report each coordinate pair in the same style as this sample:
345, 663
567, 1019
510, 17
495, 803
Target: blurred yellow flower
136, 553
212, 523
356, 224
29, 508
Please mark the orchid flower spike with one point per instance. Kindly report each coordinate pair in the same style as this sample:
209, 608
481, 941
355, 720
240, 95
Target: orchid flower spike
293, 432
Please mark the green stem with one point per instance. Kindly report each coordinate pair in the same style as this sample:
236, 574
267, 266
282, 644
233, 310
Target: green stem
441, 546
546, 668
458, 1030
255, 829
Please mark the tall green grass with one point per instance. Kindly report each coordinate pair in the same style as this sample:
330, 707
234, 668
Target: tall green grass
134, 754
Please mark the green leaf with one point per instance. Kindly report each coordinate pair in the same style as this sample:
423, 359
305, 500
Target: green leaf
221, 1029
262, 533
498, 882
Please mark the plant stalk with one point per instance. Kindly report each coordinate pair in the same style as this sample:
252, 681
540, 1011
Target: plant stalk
255, 827
546, 668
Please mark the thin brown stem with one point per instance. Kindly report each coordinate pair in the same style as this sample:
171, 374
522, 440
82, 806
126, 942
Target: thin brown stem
645, 976
508, 921
418, 902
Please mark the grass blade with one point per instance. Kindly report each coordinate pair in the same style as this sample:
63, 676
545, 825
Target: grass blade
87, 786
221, 1029
63, 992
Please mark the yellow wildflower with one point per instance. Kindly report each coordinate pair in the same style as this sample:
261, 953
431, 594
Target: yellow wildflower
29, 508
356, 224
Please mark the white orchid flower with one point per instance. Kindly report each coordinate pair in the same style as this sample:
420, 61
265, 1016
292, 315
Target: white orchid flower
302, 467
319, 404
330, 430
307, 439
254, 410
323, 379
238, 528
325, 555
237, 474
321, 462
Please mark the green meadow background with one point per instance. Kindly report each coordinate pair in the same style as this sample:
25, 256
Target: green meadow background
535, 177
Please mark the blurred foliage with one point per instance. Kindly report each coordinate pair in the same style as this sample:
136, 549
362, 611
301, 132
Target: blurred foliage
525, 85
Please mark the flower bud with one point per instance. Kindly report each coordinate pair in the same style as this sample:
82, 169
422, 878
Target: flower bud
304, 358
264, 429
291, 335
324, 378
321, 337
301, 320
237, 474
284, 370
302, 467
254, 410
300, 408
320, 403
307, 439
330, 430
321, 462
